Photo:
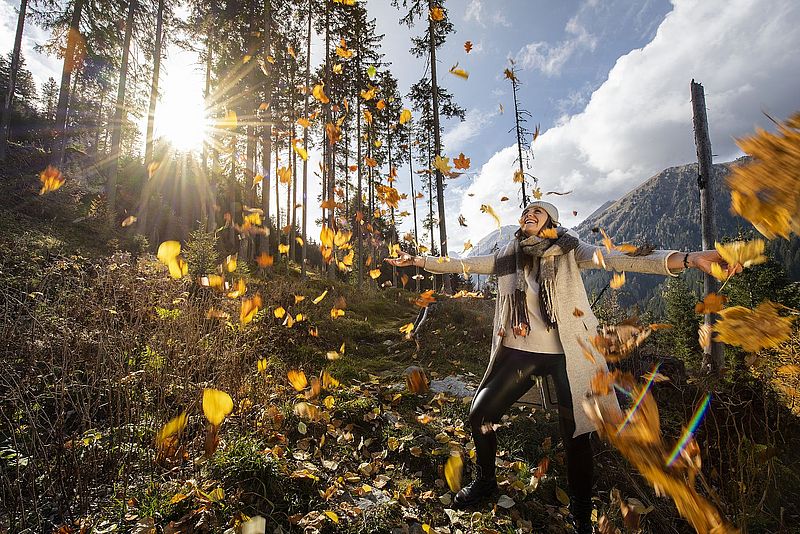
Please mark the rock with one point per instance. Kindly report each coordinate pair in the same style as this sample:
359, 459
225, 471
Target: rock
454, 385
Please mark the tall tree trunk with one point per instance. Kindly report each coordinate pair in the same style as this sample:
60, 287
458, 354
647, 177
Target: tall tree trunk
277, 195
413, 203
393, 238
98, 122
359, 207
207, 94
266, 128
119, 113
347, 177
57, 155
151, 113
438, 146
304, 253
327, 166
12, 80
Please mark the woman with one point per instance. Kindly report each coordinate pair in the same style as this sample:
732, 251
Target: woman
536, 333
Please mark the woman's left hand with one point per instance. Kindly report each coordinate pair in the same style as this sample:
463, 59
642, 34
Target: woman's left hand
703, 259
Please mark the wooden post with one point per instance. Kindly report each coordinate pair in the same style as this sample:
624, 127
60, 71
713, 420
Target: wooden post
713, 357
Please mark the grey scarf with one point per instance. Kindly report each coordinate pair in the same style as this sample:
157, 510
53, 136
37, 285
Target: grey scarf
510, 268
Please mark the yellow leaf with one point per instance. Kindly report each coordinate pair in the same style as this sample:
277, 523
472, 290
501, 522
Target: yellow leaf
342, 238
375, 273
718, 272
753, 330
279, 312
238, 289
486, 208
283, 248
51, 179
300, 150
264, 260
442, 164
461, 73
467, 246
368, 94
336, 312
319, 298
262, 365
304, 122
405, 116
452, 472
617, 281
297, 379
562, 496
712, 303
407, 328
319, 93
216, 405
332, 516
168, 251
299, 240
436, 13
173, 427
519, 177
745, 253
230, 263
249, 309
461, 162
129, 220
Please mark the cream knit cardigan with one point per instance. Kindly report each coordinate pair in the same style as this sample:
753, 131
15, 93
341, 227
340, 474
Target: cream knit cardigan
570, 294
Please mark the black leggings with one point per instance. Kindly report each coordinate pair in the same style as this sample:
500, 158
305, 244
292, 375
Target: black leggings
511, 378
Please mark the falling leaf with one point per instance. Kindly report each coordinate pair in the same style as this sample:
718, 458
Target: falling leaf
168, 254
283, 248
249, 309
462, 221
457, 71
405, 116
416, 381
461, 162
319, 93
216, 405
297, 379
129, 220
742, 252
237, 290
369, 162
284, 174
441, 164
336, 313
368, 94
342, 51
300, 150
257, 179
436, 14
371, 72
407, 328
548, 233
261, 366
519, 177
467, 246
617, 280
264, 260
486, 208
304, 122
367, 116
468, 47
230, 263
558, 193
332, 516
753, 330
718, 272
501, 108
712, 303
375, 274
503, 199
598, 259
174, 427
279, 312
452, 472
577, 312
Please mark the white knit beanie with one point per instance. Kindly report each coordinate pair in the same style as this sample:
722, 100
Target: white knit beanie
550, 209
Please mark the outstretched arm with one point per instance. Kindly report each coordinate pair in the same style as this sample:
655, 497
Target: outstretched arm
665, 262
433, 264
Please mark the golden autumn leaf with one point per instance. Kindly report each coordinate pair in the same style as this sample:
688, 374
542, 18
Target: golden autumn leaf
279, 312
407, 328
284, 174
405, 116
467, 246
753, 330
304, 122
367, 116
712, 303
436, 13
746, 253
230, 263
519, 177
368, 94
216, 405
381, 104
548, 233
320, 297
297, 379
264, 260
261, 365
452, 472
319, 93
425, 299
375, 274
442, 164
369, 162
300, 150
236, 290
718, 272
461, 162
537, 193
332, 516
416, 380
342, 51
299, 240
168, 254
486, 208
283, 248
174, 427
458, 71
342, 238
336, 313
766, 191
249, 309
617, 280
129, 220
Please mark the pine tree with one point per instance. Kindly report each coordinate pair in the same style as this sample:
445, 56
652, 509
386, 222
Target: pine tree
9, 92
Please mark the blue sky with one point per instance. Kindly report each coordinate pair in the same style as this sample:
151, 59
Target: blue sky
608, 80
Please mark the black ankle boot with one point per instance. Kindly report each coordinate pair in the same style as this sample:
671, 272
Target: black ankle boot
484, 485
581, 514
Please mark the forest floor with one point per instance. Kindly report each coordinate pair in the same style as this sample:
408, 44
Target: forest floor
102, 348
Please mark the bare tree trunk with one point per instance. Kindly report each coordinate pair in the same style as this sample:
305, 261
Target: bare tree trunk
713, 357
438, 146
304, 253
119, 114
151, 113
359, 207
327, 165
98, 122
207, 94
413, 205
12, 80
57, 155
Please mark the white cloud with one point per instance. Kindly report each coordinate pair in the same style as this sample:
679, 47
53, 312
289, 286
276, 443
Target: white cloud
639, 121
475, 12
549, 59
457, 137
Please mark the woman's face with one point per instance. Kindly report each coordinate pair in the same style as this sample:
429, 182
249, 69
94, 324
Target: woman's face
533, 220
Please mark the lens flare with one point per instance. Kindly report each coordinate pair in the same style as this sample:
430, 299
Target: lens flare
689, 432
639, 398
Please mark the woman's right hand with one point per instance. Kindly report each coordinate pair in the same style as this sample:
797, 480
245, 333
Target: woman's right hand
404, 260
